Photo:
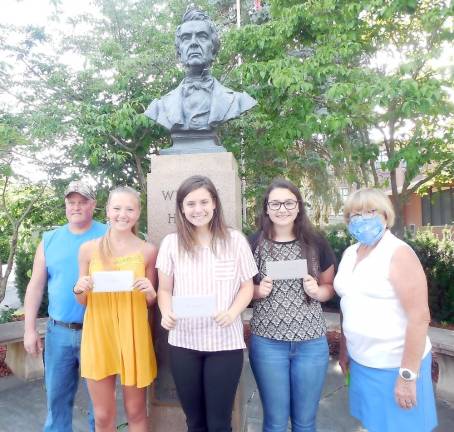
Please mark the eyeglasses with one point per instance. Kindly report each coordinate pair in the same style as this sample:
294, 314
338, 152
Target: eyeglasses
276, 205
367, 213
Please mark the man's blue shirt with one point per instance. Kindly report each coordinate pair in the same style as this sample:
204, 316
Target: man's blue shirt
61, 251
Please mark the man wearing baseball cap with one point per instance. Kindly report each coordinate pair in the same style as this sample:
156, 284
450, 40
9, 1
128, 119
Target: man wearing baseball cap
56, 263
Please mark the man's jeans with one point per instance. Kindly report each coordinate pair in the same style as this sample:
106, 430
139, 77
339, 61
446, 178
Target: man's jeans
290, 378
61, 373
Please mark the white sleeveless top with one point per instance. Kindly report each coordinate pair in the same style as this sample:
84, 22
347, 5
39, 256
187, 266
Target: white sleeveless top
374, 322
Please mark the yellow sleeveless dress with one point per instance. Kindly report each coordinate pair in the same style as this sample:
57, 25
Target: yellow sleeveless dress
116, 336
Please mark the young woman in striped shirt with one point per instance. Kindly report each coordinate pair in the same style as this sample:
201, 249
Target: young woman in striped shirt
205, 258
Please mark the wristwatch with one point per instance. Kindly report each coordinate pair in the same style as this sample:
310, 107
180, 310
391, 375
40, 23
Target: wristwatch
407, 374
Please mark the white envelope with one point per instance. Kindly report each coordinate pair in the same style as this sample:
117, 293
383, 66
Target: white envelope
194, 306
295, 269
113, 281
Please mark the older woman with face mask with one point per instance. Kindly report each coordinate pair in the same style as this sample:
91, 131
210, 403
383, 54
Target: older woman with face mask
385, 317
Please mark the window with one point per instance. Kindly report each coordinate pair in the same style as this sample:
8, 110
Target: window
438, 208
344, 193
382, 157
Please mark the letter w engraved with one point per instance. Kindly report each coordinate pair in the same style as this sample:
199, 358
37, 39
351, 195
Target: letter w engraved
168, 195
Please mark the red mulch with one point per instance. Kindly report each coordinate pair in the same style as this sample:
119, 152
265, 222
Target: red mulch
4, 370
333, 342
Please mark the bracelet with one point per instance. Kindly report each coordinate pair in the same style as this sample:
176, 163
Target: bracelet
76, 292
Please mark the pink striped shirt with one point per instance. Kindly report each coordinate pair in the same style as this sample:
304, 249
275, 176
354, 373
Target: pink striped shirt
204, 273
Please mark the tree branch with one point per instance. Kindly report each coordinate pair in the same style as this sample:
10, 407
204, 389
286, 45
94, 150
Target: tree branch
5, 208
433, 174
123, 144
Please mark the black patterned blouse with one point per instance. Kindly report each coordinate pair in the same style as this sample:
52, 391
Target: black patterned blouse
288, 314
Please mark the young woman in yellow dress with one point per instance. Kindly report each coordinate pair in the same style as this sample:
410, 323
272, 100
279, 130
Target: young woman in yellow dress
116, 337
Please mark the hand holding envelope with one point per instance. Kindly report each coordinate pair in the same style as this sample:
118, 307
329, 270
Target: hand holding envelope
291, 269
113, 281
145, 286
264, 288
84, 284
194, 306
311, 287
197, 307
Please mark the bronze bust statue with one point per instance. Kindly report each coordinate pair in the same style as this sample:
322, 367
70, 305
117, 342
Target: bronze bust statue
200, 103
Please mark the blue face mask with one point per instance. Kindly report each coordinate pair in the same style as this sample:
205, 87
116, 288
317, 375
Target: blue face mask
366, 229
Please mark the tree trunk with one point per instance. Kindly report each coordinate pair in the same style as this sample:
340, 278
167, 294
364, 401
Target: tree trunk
399, 224
9, 263
140, 174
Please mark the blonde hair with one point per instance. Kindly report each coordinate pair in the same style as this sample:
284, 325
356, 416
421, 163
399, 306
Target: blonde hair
105, 248
370, 199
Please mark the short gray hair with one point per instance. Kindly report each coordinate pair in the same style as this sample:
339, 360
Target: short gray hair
370, 199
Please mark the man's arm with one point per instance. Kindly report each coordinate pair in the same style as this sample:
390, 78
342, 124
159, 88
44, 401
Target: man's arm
32, 301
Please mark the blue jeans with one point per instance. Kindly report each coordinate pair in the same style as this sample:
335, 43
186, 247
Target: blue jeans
61, 376
290, 378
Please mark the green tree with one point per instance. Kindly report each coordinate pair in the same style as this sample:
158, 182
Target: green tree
17, 197
20, 197
317, 69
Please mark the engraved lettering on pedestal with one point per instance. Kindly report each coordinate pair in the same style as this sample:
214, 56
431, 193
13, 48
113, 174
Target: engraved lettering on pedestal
168, 195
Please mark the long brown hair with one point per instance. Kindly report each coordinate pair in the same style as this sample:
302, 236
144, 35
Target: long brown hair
105, 248
303, 230
185, 229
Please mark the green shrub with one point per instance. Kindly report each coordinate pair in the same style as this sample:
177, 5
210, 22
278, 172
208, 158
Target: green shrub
4, 249
4, 244
24, 264
339, 239
7, 315
437, 259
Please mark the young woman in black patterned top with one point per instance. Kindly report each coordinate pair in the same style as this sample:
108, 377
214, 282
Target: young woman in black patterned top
288, 351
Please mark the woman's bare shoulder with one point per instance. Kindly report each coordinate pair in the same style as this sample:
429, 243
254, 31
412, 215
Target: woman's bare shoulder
87, 249
148, 249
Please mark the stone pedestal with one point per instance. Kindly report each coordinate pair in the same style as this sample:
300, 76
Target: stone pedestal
167, 172
22, 364
190, 142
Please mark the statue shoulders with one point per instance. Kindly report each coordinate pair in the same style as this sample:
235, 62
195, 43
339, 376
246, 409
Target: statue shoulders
168, 98
230, 103
166, 110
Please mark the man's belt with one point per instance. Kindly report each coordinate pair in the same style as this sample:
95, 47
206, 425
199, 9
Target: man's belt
72, 326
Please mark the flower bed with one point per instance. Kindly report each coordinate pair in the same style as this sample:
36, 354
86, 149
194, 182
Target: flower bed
4, 370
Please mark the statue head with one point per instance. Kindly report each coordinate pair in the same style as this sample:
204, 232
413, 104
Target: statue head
196, 39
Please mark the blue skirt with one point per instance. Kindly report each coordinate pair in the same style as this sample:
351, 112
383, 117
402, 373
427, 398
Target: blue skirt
371, 396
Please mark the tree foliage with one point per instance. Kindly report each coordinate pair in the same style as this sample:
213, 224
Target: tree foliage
339, 84
326, 78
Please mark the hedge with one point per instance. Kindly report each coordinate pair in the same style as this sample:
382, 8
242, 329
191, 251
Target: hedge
437, 259
436, 256
24, 264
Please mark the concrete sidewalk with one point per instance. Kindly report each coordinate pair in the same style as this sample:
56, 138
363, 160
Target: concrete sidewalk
23, 407
333, 414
